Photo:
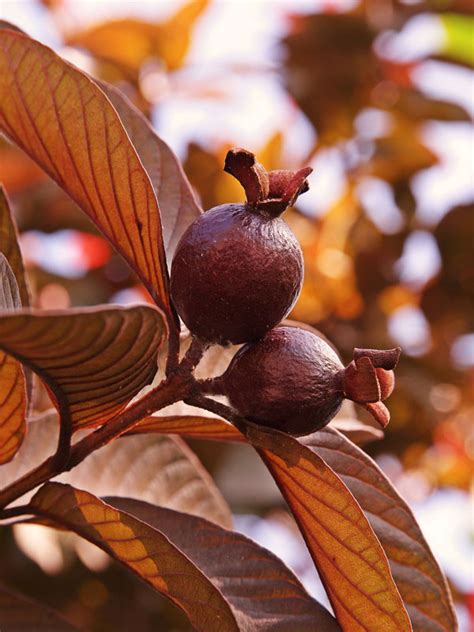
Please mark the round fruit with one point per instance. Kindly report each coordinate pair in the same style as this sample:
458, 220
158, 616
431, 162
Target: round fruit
292, 380
238, 269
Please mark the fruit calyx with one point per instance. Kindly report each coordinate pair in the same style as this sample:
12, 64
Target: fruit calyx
269, 191
369, 379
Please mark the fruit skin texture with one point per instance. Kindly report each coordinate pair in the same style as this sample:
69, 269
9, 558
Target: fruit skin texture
236, 273
291, 380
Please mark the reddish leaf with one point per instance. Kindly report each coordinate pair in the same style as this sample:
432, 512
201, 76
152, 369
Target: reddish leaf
269, 598
416, 573
159, 469
92, 360
19, 614
11, 249
12, 379
190, 426
143, 549
178, 205
69, 127
348, 555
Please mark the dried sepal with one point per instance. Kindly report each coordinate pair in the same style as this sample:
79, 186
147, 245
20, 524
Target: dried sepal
271, 191
369, 379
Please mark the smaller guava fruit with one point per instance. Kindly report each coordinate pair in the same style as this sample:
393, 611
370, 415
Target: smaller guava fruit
238, 269
293, 381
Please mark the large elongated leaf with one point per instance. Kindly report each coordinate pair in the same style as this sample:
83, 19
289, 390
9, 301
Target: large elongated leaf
12, 379
19, 614
143, 549
348, 555
64, 121
93, 360
416, 572
178, 205
10, 248
262, 592
159, 469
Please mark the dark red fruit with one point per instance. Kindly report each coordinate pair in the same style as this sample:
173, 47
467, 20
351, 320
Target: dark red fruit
238, 269
293, 381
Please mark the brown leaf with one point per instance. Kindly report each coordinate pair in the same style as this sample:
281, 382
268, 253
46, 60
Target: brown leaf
270, 597
416, 573
19, 614
178, 205
356, 431
12, 380
93, 360
196, 427
143, 549
158, 469
347, 554
11, 249
61, 119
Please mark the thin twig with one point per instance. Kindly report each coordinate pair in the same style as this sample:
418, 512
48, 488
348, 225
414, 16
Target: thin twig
13, 512
194, 354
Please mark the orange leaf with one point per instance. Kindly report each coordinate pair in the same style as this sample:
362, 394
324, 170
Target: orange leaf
178, 205
143, 549
348, 555
270, 598
12, 379
194, 427
20, 613
69, 127
11, 249
416, 572
94, 360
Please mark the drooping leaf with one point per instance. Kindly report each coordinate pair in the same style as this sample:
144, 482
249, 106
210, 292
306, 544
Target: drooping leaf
269, 598
158, 469
10, 248
130, 42
141, 548
62, 119
416, 572
12, 379
19, 614
178, 205
93, 360
348, 555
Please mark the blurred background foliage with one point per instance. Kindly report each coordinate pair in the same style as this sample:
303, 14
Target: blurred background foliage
376, 95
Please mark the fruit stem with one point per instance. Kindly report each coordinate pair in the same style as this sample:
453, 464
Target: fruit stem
243, 165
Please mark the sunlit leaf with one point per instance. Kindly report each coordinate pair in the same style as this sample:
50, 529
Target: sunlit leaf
18, 614
197, 427
269, 598
67, 125
348, 555
178, 205
158, 469
12, 379
93, 360
458, 32
415, 571
10, 247
130, 42
143, 549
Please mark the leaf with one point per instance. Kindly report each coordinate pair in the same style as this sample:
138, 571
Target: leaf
93, 360
18, 614
415, 571
263, 594
196, 427
458, 33
12, 379
63, 120
11, 249
159, 469
347, 554
357, 431
178, 205
130, 42
143, 549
